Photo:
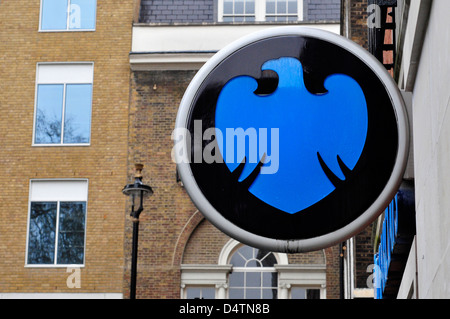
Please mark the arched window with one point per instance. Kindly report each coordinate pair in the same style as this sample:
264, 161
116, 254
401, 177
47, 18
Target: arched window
246, 272
253, 274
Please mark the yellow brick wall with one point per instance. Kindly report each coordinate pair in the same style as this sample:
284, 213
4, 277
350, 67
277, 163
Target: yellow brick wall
104, 162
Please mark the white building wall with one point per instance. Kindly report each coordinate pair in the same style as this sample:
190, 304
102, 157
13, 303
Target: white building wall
431, 114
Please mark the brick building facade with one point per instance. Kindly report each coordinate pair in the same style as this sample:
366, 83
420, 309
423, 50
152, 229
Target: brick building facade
181, 255
130, 119
354, 21
36, 50
354, 26
174, 236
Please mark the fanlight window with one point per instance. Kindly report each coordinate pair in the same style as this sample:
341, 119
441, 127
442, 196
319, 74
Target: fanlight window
253, 275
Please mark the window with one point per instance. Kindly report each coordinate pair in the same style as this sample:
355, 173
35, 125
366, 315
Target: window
304, 293
200, 293
63, 104
57, 223
253, 275
68, 15
260, 10
245, 272
282, 10
203, 281
238, 10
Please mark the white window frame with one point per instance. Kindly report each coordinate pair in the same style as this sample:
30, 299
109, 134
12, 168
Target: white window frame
68, 21
186, 288
306, 276
306, 288
245, 270
289, 275
57, 190
63, 73
205, 276
260, 11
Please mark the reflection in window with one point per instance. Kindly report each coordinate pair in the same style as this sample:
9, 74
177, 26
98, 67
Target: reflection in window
42, 229
63, 114
68, 15
254, 275
77, 115
49, 244
71, 233
63, 104
50, 100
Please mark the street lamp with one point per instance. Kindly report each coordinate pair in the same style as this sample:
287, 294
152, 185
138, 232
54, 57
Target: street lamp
137, 191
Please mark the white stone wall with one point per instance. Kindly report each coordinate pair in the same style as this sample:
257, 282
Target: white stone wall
431, 131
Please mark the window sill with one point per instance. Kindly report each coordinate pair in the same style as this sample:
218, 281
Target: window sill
60, 145
57, 31
54, 266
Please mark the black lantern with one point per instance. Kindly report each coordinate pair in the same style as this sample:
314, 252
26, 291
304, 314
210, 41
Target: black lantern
138, 191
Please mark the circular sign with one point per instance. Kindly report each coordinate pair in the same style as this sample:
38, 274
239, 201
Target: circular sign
292, 139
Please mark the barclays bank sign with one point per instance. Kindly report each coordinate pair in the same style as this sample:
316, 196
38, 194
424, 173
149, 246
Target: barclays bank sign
291, 139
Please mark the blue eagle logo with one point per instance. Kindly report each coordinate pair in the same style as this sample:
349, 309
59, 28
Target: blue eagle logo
313, 141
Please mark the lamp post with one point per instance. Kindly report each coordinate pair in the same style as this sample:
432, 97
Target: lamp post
137, 191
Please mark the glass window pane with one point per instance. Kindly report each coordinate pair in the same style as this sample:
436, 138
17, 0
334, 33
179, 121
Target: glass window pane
270, 279
42, 228
253, 293
246, 252
281, 6
54, 15
200, 293
292, 7
250, 7
313, 294
237, 260
270, 6
228, 7
238, 6
71, 233
298, 293
268, 260
236, 279
253, 263
82, 14
208, 293
192, 293
253, 279
234, 293
49, 113
77, 117
270, 293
